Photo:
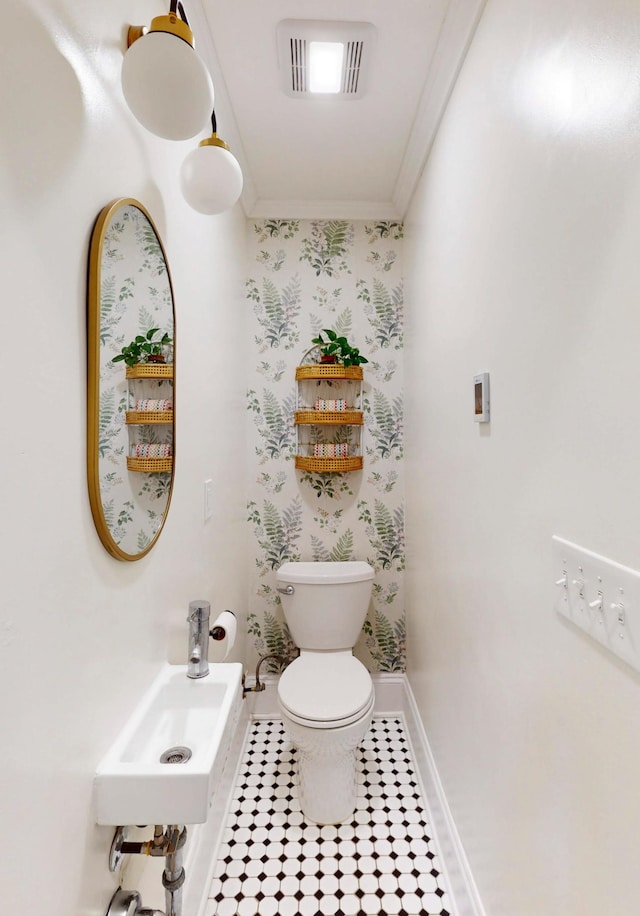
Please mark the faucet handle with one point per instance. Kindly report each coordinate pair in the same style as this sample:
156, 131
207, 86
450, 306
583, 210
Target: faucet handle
199, 611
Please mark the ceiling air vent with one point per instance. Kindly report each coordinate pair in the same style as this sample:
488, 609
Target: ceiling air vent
295, 40
298, 64
353, 63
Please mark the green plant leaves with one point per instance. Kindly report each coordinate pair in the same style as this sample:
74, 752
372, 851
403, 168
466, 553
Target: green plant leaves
277, 532
387, 642
274, 423
142, 346
276, 311
339, 347
327, 247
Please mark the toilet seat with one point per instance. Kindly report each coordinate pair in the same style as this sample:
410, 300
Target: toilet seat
326, 690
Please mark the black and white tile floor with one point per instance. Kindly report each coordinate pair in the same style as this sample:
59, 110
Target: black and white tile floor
382, 862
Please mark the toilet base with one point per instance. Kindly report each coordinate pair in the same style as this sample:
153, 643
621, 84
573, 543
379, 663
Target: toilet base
326, 764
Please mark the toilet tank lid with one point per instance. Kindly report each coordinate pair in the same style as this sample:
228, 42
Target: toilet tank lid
319, 573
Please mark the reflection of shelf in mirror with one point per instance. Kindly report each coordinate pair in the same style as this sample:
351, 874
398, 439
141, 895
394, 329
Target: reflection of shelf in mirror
329, 465
328, 371
330, 417
150, 370
145, 417
150, 465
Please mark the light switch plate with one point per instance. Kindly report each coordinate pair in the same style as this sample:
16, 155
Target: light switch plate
599, 596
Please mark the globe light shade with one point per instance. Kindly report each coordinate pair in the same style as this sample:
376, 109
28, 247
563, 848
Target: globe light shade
211, 178
165, 84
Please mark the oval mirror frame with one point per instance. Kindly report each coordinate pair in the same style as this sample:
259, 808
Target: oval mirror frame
129, 286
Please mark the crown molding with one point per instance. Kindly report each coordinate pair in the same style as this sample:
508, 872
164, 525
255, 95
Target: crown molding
458, 29
323, 209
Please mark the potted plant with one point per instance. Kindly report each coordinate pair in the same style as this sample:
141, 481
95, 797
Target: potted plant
144, 349
337, 349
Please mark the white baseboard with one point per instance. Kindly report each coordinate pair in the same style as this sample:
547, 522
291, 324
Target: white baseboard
460, 881
393, 696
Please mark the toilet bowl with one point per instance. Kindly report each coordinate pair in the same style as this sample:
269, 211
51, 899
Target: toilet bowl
326, 695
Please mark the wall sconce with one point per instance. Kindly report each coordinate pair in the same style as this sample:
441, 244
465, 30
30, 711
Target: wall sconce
165, 84
210, 177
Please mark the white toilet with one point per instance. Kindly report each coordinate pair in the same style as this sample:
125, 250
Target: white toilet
326, 695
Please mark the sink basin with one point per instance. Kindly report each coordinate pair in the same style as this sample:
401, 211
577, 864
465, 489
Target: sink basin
189, 724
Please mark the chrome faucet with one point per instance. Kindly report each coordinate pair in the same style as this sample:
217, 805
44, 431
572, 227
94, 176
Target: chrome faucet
198, 619
199, 633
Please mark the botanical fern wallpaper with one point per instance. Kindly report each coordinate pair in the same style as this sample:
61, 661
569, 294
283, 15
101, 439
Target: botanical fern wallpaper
306, 276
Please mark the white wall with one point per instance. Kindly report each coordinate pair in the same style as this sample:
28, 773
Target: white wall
522, 259
81, 634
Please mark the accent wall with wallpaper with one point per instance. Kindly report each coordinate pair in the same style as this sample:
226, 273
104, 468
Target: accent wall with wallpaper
306, 275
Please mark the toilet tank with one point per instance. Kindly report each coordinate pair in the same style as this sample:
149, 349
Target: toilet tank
329, 602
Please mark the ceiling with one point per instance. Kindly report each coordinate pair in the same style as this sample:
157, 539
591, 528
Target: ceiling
332, 157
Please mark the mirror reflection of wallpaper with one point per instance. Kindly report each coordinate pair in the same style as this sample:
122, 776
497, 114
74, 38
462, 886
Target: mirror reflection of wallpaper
309, 275
135, 295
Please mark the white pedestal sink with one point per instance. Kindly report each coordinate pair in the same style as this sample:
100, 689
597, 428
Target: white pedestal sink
187, 722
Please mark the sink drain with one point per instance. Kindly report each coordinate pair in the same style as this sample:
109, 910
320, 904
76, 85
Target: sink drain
176, 755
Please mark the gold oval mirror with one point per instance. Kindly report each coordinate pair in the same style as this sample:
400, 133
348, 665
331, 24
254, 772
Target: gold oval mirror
131, 376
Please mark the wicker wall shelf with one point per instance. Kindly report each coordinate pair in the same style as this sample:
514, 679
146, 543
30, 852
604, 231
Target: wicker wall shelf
328, 382
147, 373
329, 465
144, 417
150, 370
149, 465
329, 371
330, 417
